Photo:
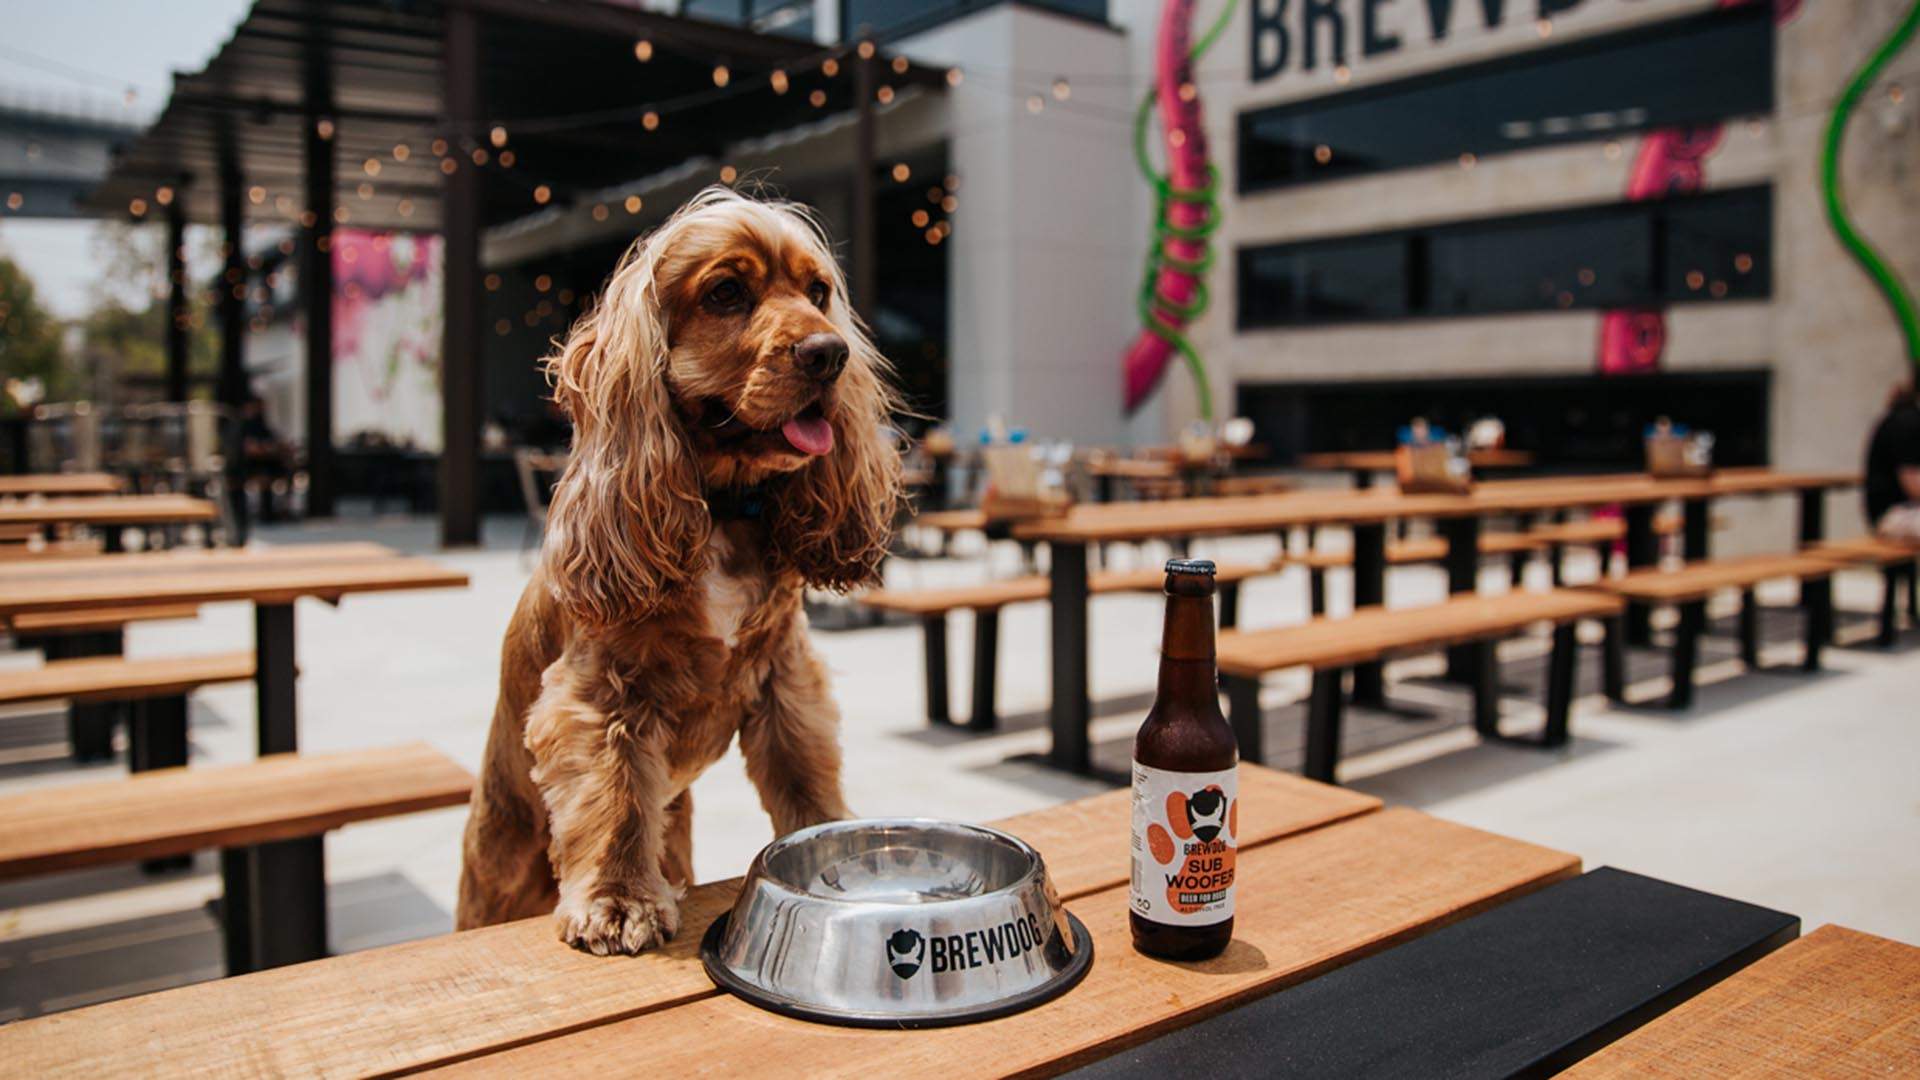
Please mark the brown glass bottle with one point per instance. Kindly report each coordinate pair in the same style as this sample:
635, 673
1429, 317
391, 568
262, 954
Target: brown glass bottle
1185, 787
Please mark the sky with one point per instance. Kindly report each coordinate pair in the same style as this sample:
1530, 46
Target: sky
96, 51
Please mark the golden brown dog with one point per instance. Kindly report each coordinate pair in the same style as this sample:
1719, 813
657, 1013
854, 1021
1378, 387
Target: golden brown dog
728, 451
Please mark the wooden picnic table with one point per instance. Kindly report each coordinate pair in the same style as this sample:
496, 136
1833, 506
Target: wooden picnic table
110, 512
1363, 464
1366, 513
92, 483
271, 578
1836, 1003
1326, 877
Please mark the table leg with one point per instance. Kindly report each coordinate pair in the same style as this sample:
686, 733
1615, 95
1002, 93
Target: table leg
236, 907
90, 724
933, 629
1362, 479
1071, 710
1643, 550
1813, 529
1463, 574
1698, 533
986, 669
285, 908
1369, 589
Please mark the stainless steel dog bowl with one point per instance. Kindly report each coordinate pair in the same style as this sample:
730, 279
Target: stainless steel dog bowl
897, 923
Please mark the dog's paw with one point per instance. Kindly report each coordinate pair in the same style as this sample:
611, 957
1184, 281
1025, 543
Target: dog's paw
618, 925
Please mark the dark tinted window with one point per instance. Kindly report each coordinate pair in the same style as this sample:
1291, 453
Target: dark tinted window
1696, 70
1694, 248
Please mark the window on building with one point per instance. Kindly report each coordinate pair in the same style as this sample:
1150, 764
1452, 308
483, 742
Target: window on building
905, 16
1685, 249
1697, 70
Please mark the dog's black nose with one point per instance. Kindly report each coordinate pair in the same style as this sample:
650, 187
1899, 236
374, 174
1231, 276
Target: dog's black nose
821, 356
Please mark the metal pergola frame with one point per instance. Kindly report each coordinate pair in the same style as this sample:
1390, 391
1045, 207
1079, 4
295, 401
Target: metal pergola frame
401, 115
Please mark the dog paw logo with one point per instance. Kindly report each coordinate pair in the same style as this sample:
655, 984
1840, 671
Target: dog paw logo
1207, 813
906, 950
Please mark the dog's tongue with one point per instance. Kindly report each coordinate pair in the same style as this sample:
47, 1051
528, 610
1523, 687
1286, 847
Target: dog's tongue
809, 434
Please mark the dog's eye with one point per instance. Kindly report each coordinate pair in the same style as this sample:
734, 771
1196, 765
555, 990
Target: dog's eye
818, 293
728, 293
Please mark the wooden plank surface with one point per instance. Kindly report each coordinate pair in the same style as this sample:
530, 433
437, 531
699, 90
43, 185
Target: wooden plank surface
176, 811
1305, 905
459, 995
200, 559
39, 553
1864, 550
952, 520
1698, 580
1836, 1003
93, 483
263, 584
108, 510
994, 594
68, 622
116, 678
1383, 460
1373, 632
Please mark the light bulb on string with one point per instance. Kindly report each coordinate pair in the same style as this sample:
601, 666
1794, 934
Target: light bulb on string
1061, 90
721, 76
643, 50
779, 81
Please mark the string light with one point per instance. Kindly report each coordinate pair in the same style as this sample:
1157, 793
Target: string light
308, 219
15, 200
728, 174
439, 148
1061, 91
1544, 28
721, 76
1176, 138
137, 207
340, 214
506, 159
1743, 262
401, 151
498, 137
884, 95
1695, 279
1718, 289
865, 49
479, 155
900, 65
565, 295
1468, 160
1342, 74
163, 196
365, 191
256, 195
953, 182
830, 67
448, 165
503, 327
1323, 153
283, 203
371, 166
920, 219
779, 81
954, 77
493, 282
599, 211
405, 208
633, 204
651, 120
1034, 104
1188, 91
542, 194
324, 129
901, 173
542, 283
949, 204
643, 50
817, 98
1586, 275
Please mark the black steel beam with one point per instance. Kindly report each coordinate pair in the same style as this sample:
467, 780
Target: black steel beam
866, 135
461, 385
316, 284
177, 313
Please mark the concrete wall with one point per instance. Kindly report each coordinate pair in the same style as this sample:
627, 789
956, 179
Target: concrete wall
1047, 237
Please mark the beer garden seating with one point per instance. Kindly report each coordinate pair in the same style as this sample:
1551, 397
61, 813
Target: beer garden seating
1896, 562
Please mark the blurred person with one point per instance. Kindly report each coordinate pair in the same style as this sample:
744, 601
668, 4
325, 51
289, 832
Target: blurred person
1893, 466
264, 455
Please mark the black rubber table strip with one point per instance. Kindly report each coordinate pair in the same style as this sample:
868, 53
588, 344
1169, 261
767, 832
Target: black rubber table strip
1525, 989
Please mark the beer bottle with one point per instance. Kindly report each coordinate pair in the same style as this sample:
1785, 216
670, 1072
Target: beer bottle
1185, 787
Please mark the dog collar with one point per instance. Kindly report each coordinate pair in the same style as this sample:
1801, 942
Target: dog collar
733, 504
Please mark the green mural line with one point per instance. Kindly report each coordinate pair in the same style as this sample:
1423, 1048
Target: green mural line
1898, 296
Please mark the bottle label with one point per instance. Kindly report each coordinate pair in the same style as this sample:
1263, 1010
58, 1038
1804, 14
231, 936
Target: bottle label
1184, 845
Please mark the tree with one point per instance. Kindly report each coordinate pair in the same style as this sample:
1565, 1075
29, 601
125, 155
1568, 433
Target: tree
30, 345
127, 324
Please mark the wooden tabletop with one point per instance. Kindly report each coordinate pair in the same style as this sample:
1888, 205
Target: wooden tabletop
92, 483
1383, 460
276, 575
1326, 877
952, 520
1264, 513
108, 510
1836, 1003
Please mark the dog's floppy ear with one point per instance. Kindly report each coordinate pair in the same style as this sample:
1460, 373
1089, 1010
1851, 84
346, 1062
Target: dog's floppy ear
627, 526
834, 518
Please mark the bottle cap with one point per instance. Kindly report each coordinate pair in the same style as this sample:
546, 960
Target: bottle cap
1191, 566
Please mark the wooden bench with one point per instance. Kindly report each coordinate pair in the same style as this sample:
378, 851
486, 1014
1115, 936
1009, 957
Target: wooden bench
1517, 547
1689, 587
53, 549
1524, 989
280, 798
1331, 646
93, 620
1896, 562
158, 689
1834, 1003
931, 607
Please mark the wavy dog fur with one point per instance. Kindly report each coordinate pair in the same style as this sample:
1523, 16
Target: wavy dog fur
652, 634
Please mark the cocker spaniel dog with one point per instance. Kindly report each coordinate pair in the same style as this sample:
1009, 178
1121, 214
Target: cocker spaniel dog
728, 452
